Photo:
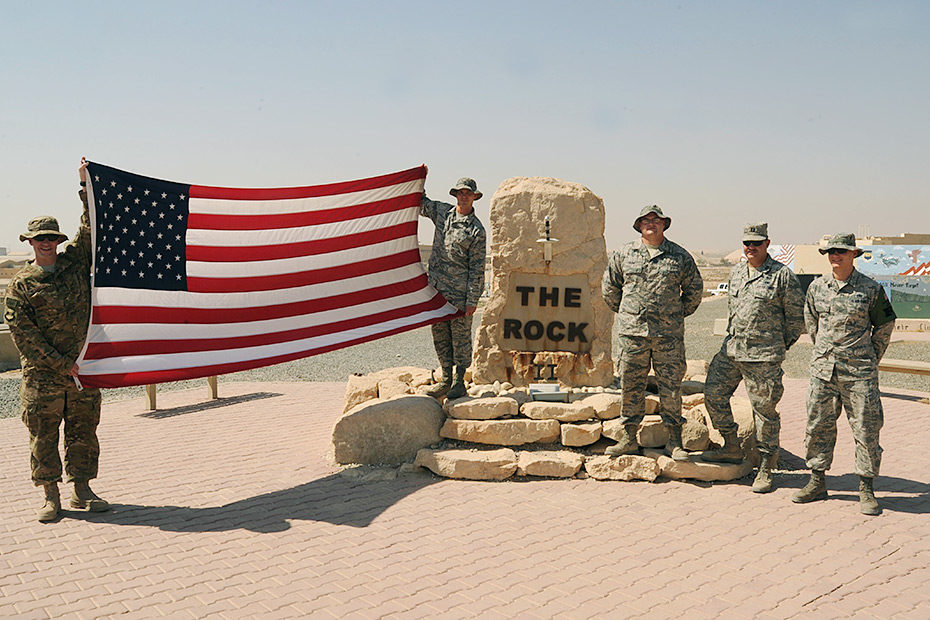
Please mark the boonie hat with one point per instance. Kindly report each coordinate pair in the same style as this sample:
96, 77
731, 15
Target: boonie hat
756, 232
651, 209
466, 183
842, 241
42, 225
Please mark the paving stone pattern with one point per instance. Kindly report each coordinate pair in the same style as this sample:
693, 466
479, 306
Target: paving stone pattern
230, 509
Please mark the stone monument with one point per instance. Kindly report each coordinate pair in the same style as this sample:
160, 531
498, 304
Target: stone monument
545, 319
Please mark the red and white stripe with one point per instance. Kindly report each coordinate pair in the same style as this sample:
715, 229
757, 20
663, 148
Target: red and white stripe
273, 275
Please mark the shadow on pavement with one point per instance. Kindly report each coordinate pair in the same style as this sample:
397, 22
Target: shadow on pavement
334, 499
211, 404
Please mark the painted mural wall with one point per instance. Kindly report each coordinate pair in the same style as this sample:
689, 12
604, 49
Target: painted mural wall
904, 271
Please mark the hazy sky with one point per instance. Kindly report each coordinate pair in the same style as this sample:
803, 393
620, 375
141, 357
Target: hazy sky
811, 115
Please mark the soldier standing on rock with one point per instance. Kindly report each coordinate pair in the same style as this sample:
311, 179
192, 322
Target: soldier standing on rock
850, 320
456, 269
766, 317
47, 310
652, 284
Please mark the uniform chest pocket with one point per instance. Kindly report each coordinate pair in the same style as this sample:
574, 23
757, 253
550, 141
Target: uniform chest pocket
823, 306
668, 266
764, 293
634, 267
857, 303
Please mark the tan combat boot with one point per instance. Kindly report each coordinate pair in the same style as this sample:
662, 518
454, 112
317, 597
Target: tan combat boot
763, 481
626, 443
816, 489
82, 498
442, 388
868, 505
49, 510
674, 448
731, 452
458, 389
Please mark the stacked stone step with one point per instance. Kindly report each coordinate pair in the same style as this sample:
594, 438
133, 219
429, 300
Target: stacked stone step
552, 439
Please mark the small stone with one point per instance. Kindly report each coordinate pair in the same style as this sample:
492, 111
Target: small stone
652, 432
695, 469
653, 404
606, 406
563, 412
469, 464
359, 389
502, 432
389, 388
550, 463
695, 367
580, 434
482, 408
626, 467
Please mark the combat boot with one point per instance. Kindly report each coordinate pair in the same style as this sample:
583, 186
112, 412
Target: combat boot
49, 510
445, 384
763, 481
626, 443
82, 498
731, 452
868, 505
816, 489
458, 385
674, 448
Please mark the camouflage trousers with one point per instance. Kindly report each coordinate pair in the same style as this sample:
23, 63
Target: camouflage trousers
46, 402
452, 340
667, 357
765, 388
860, 398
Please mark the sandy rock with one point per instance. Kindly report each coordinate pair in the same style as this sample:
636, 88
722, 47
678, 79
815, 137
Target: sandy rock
502, 432
606, 406
482, 390
695, 368
653, 404
563, 412
359, 388
518, 209
389, 388
695, 437
692, 400
580, 434
550, 463
469, 464
652, 432
389, 431
699, 378
627, 467
696, 469
482, 408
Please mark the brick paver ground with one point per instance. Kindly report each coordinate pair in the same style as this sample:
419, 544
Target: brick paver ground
230, 509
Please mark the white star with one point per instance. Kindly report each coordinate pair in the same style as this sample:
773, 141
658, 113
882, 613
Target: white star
182, 197
129, 189
132, 263
164, 195
146, 192
151, 224
126, 230
132, 242
179, 276
171, 206
141, 254
170, 226
134, 220
177, 237
143, 212
168, 247
154, 204
124, 272
159, 235
136, 201
123, 252
141, 233
158, 256
180, 217
119, 197
150, 244
112, 183
108, 270
161, 215
96, 177
159, 276
141, 274
177, 258
104, 191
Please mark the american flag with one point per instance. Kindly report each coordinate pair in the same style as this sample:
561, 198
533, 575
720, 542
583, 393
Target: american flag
192, 281
784, 254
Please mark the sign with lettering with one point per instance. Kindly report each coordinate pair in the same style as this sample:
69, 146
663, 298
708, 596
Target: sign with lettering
547, 313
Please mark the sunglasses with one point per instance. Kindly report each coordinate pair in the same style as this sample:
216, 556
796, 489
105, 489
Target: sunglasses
836, 251
753, 244
42, 238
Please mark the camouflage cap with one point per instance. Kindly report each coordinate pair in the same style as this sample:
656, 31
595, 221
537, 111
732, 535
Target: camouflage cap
756, 232
466, 183
42, 225
841, 241
651, 209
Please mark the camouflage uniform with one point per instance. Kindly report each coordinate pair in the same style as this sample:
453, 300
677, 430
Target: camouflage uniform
851, 324
652, 297
766, 317
48, 312
456, 269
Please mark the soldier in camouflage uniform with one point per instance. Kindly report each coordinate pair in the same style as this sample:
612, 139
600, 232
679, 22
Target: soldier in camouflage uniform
850, 321
766, 317
456, 269
47, 310
652, 284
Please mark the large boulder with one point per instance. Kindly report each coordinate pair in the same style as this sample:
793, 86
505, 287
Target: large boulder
519, 209
389, 431
469, 464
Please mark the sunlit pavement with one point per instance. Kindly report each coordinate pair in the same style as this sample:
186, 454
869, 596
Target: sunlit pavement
230, 509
